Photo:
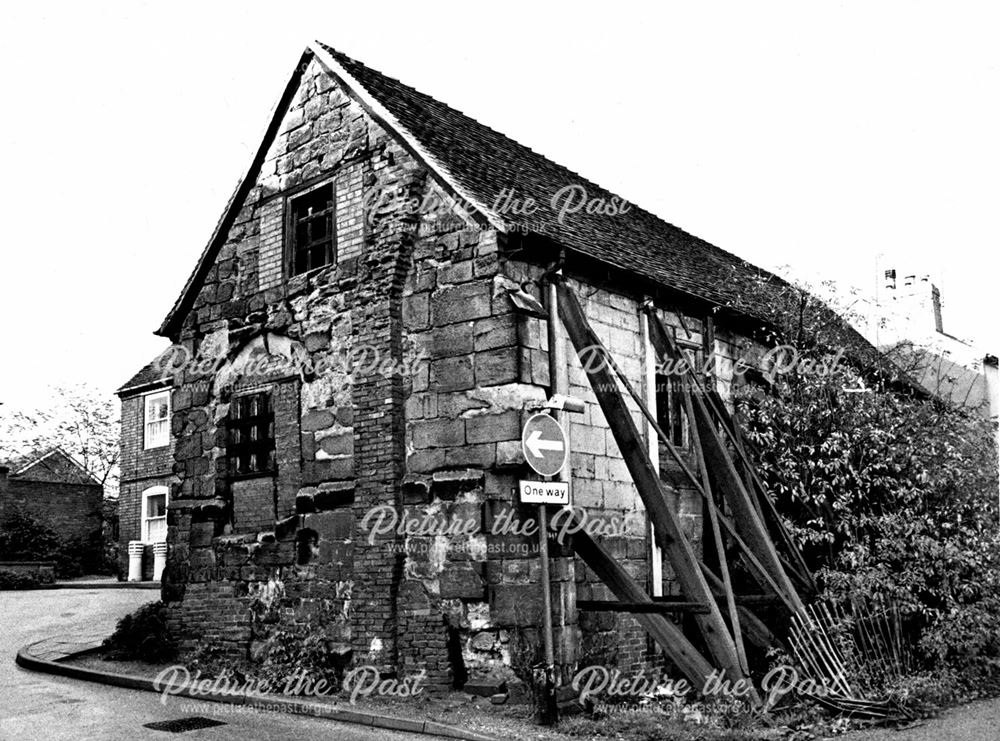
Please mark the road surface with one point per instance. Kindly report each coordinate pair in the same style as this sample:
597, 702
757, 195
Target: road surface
48, 708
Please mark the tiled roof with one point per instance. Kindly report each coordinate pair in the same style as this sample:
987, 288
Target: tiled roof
480, 164
484, 162
49, 464
150, 374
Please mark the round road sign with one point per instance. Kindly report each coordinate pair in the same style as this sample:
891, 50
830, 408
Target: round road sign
544, 444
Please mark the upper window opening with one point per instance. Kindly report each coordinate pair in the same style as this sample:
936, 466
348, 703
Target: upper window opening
313, 240
157, 420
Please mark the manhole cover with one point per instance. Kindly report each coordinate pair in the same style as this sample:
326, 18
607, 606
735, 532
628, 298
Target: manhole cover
183, 724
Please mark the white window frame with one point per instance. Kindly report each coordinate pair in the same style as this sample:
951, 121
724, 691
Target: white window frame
154, 491
148, 439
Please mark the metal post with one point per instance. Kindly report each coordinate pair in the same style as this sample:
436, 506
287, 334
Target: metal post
557, 369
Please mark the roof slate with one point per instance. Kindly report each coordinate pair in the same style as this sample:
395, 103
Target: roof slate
151, 373
485, 164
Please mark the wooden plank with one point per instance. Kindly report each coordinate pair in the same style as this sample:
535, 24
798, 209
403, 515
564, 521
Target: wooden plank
600, 605
748, 523
648, 484
720, 549
726, 480
754, 628
667, 635
764, 502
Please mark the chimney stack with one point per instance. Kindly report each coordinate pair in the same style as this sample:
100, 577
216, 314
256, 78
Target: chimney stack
890, 280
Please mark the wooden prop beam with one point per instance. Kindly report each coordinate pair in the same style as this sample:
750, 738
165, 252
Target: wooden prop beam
757, 569
601, 605
667, 635
754, 628
799, 570
720, 549
647, 482
726, 480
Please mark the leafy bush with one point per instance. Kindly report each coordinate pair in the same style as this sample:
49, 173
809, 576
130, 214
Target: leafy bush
19, 580
26, 538
142, 636
888, 493
304, 650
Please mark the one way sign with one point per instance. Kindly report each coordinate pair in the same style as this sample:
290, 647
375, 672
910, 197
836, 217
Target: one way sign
544, 444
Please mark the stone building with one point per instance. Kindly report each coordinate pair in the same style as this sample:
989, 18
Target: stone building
353, 344
51, 487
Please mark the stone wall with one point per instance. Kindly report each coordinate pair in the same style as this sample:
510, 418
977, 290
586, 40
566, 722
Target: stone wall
290, 540
429, 432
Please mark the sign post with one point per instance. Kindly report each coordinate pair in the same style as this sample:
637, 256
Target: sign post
545, 450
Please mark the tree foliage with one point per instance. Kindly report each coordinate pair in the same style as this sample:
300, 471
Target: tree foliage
888, 491
80, 420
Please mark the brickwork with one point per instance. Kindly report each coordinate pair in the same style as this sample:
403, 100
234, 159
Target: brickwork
141, 469
73, 511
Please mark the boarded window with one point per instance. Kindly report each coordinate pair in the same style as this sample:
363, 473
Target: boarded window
312, 239
250, 447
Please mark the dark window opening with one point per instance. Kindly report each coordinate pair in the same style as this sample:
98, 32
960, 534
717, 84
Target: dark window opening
670, 407
671, 413
306, 546
250, 447
313, 242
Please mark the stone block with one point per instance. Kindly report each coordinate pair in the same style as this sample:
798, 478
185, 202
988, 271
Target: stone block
485, 428
462, 580
482, 455
438, 433
332, 494
342, 444
495, 332
461, 303
495, 367
425, 461
509, 454
330, 525
451, 340
452, 374
317, 419
516, 604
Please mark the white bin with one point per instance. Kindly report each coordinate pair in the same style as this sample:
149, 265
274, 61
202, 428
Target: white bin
159, 560
135, 548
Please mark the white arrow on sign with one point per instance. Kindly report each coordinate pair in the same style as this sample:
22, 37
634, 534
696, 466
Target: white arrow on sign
538, 446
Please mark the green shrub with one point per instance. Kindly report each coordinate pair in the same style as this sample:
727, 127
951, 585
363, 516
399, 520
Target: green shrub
887, 493
19, 580
142, 636
26, 538
23, 538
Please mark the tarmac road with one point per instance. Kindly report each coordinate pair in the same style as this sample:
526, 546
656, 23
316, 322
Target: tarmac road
48, 708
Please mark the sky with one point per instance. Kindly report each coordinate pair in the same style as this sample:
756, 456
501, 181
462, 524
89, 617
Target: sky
829, 141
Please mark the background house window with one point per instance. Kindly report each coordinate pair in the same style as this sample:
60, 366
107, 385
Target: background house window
312, 238
154, 514
250, 446
157, 415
